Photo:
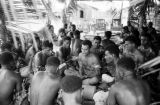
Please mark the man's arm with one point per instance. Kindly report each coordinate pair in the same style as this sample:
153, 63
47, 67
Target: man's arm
18, 83
37, 60
112, 96
60, 56
96, 64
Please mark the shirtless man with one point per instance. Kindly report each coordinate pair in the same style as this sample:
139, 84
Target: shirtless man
76, 43
45, 84
10, 81
41, 57
129, 90
32, 51
111, 57
61, 36
97, 48
65, 50
89, 64
71, 89
132, 51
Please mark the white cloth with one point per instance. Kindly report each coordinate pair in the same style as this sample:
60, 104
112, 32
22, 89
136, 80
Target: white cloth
100, 97
106, 78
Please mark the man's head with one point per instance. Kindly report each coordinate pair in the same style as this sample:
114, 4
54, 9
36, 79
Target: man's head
131, 43
108, 34
125, 29
73, 27
62, 33
52, 64
111, 53
125, 66
150, 24
97, 41
71, 87
144, 39
65, 26
128, 23
86, 45
6, 47
76, 34
51, 29
66, 42
38, 41
47, 48
7, 60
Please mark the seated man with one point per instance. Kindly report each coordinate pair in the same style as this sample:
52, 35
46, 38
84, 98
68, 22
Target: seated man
32, 50
89, 64
97, 48
45, 84
129, 90
41, 57
146, 47
111, 57
131, 50
9, 80
65, 50
107, 42
71, 90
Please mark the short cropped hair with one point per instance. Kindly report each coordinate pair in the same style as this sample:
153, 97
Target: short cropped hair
62, 30
76, 33
113, 49
67, 38
6, 58
132, 39
74, 26
53, 61
127, 63
71, 84
97, 38
108, 34
50, 26
46, 43
126, 28
6, 45
87, 42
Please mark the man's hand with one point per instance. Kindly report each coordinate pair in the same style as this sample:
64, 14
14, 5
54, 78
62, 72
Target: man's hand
74, 58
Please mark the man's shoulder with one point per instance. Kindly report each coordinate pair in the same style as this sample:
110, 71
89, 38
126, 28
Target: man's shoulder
121, 85
14, 75
39, 74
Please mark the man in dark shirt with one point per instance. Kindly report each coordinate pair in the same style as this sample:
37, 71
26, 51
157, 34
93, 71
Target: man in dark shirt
107, 42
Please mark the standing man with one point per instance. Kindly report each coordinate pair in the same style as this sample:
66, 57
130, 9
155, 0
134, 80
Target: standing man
89, 64
61, 36
9, 80
45, 84
76, 43
65, 50
129, 90
73, 29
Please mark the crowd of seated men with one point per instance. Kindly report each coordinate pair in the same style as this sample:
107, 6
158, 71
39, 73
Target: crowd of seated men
43, 77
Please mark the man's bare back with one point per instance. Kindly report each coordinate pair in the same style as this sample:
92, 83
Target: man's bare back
10, 82
129, 92
44, 88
